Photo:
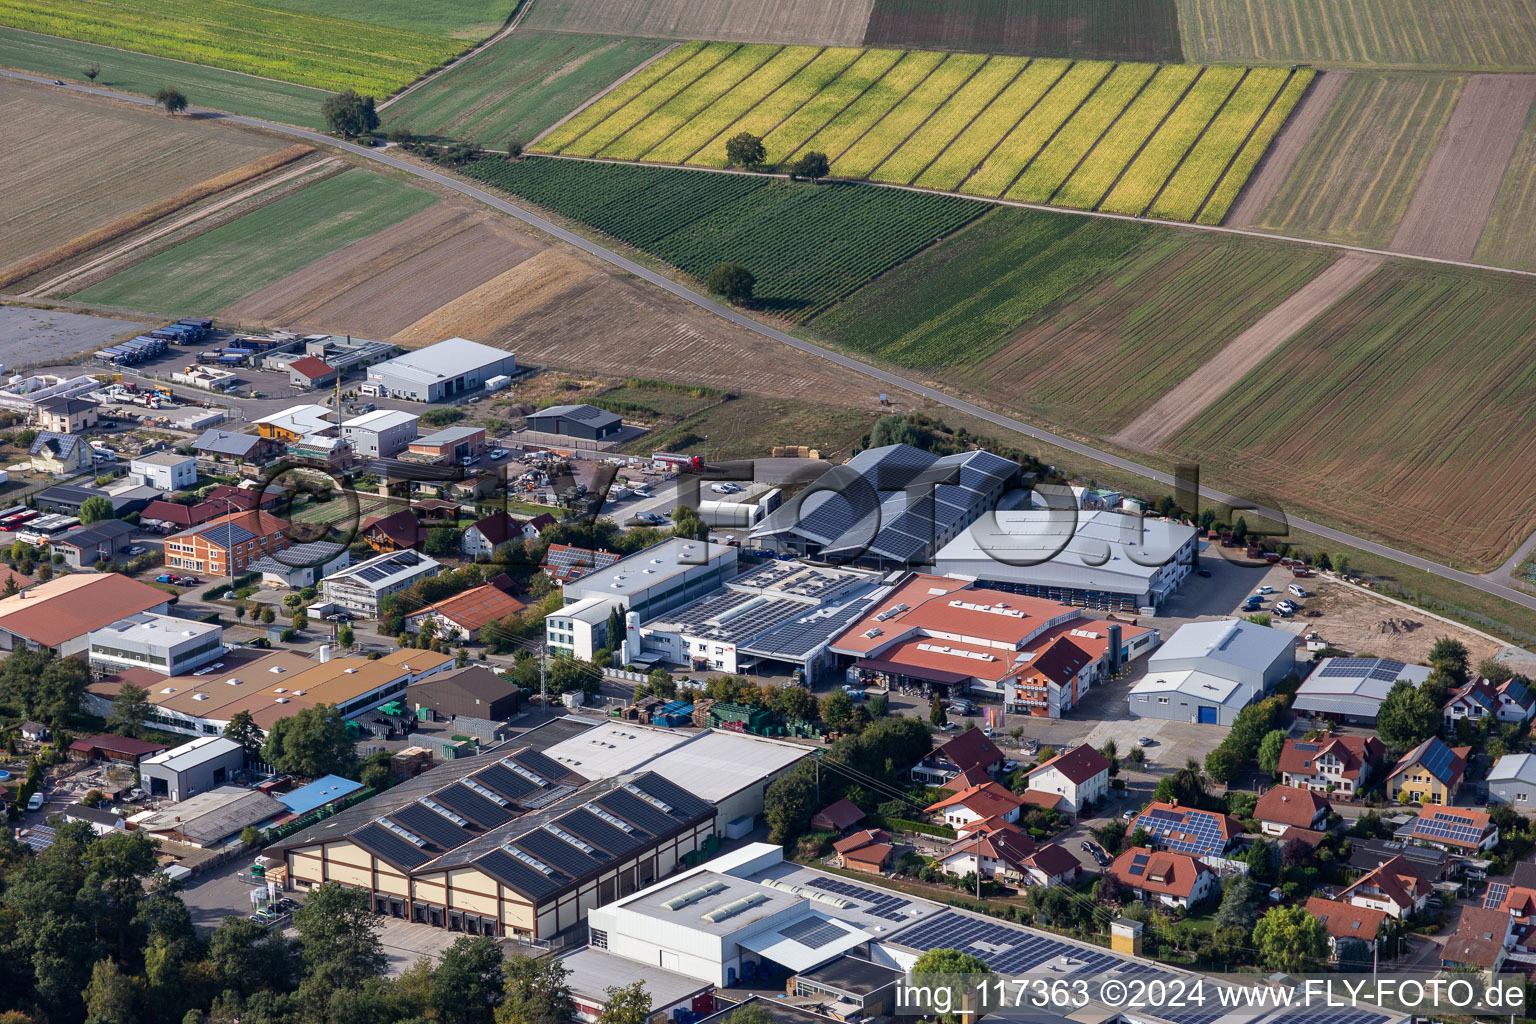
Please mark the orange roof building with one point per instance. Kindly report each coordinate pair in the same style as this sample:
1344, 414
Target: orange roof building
1173, 879
869, 850
989, 800
468, 612
1397, 888
59, 615
1283, 807
1346, 921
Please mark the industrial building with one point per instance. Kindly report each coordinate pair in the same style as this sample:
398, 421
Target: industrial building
1094, 559
586, 422
60, 615
209, 819
381, 434
296, 423
449, 446
1351, 690
357, 590
196, 767
888, 508
302, 565
162, 644
470, 692
227, 545
82, 548
1207, 672
448, 369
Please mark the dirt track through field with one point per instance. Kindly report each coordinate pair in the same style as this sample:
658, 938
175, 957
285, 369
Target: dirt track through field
1272, 171
1456, 194
1208, 383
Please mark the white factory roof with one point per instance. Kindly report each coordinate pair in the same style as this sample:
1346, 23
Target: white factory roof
827, 937
205, 748
1514, 768
381, 419
613, 748
712, 765
591, 610
646, 569
381, 571
150, 628
1353, 686
301, 419
1089, 550
1196, 685
1236, 642
445, 359
591, 972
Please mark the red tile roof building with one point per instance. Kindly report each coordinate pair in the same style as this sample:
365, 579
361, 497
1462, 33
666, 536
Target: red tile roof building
1397, 888
1346, 921
838, 817
1173, 879
1338, 764
1000, 850
868, 850
394, 532
989, 800
468, 612
227, 544
1079, 776
967, 751
1053, 864
1283, 807
59, 615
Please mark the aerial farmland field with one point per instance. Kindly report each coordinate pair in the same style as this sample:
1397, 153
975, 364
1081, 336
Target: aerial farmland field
861, 115
821, 22
308, 49
1508, 240
701, 129
808, 83
896, 127
957, 113
1053, 164
1005, 163
841, 91
676, 112
519, 87
1112, 29
968, 149
598, 126
616, 98
461, 19
1381, 416
1428, 34
1264, 132
215, 269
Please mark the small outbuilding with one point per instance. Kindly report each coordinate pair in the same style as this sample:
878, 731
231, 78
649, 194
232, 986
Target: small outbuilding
582, 421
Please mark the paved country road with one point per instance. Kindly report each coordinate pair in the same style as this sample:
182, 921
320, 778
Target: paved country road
1487, 583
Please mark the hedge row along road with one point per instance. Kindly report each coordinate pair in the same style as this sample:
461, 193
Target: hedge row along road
1487, 584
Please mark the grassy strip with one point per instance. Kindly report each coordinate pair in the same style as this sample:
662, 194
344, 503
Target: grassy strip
972, 145
1163, 152
849, 126
1050, 168
676, 112
1507, 237
806, 85
789, 136
573, 130
1021, 145
635, 111
704, 126
146, 215
958, 112
912, 113
1186, 191
1120, 144
1237, 175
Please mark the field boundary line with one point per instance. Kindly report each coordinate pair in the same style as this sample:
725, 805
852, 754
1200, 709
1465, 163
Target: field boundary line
1107, 129
662, 141
458, 62
1014, 127
620, 108
631, 73
1029, 62
887, 112
1148, 141
1113, 67
681, 89
1238, 152
761, 100
931, 114
1194, 143
843, 109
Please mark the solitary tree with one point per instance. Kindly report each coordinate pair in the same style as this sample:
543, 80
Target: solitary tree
172, 100
94, 509
92, 70
514, 148
812, 165
745, 150
268, 615
350, 115
733, 281
129, 709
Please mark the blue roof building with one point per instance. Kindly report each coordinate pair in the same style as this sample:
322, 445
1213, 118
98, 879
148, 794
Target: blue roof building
325, 790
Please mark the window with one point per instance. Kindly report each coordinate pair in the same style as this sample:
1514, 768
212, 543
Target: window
1162, 700
599, 939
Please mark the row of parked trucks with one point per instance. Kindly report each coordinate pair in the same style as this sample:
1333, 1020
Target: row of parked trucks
146, 346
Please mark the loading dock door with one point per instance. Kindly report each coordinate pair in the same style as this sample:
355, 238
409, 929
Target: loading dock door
1207, 716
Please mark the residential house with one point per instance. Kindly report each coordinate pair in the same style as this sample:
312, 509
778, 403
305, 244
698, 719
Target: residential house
449, 446
1460, 830
1430, 773
220, 451
978, 803
1052, 864
1172, 879
67, 415
1481, 942
108, 747
531, 528
870, 850
1397, 888
60, 454
1079, 776
358, 589
164, 471
297, 422
228, 544
1476, 702
467, 613
1287, 807
99, 542
1189, 829
398, 531
482, 539
1342, 766
838, 817
970, 748
997, 851
1516, 702
1346, 921
1512, 780
34, 732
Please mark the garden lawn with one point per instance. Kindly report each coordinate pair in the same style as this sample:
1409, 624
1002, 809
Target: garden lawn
1186, 192
971, 146
995, 176
1253, 150
1057, 160
215, 269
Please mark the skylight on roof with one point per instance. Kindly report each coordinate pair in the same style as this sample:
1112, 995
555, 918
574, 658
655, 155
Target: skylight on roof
433, 805
403, 833
655, 802
530, 860
537, 780
618, 823
493, 797
556, 830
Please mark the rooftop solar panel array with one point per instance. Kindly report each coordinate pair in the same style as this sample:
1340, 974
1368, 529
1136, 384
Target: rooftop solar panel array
1436, 759
876, 903
1185, 830
1494, 898
1449, 826
1372, 668
1008, 949
813, 932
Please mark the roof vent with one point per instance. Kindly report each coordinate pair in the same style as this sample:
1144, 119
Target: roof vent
199, 696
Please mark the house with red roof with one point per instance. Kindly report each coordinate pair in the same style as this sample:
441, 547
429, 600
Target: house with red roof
1346, 921
1052, 864
869, 850
397, 531
1482, 940
1287, 807
997, 852
968, 751
1080, 777
1397, 888
837, 817
468, 612
108, 747
1462, 830
1162, 876
989, 800
1338, 765
311, 373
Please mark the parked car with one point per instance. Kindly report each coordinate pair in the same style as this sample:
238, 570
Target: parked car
498, 453
1265, 590
35, 802
137, 549
166, 577
1086, 846
1010, 766
1146, 741
187, 581
1296, 591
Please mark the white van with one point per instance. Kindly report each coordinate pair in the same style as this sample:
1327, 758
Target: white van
35, 803
1296, 591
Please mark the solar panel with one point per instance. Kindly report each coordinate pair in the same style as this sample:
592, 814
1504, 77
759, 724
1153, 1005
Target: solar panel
876, 903
1008, 949
1497, 892
813, 932
1185, 830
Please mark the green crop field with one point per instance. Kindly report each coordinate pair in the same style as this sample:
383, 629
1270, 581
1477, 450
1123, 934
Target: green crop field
676, 112
807, 245
616, 99
600, 131
1186, 192
1085, 189
519, 87
1237, 175
963, 155
995, 175
325, 52
761, 120
1353, 179
1163, 152
846, 128
1052, 165
213, 270
1470, 34
947, 122
147, 74
1508, 240
1111, 29
1382, 416
906, 117
847, 87
470, 20
700, 129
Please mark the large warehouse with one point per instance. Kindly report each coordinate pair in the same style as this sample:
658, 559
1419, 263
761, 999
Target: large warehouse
1207, 672
1351, 689
446, 370
1100, 559
587, 422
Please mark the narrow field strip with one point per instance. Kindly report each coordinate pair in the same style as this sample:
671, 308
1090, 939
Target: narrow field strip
631, 113
849, 126
965, 106
1000, 169
790, 135
1231, 184
1162, 153
781, 104
1186, 192
1055, 162
912, 113
573, 130
966, 153
659, 125
762, 83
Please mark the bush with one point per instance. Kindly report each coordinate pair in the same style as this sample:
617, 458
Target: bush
732, 281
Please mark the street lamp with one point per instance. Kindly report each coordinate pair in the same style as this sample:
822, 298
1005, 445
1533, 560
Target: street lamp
229, 533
